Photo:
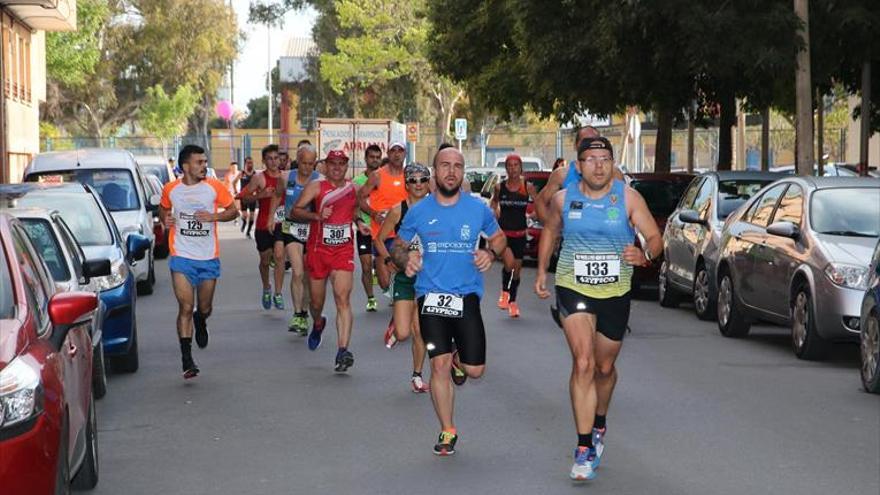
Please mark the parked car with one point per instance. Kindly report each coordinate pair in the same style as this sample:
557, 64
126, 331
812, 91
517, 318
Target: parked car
870, 328
160, 233
495, 175
530, 163
662, 193
48, 427
91, 224
692, 236
116, 176
854, 168
156, 166
533, 234
797, 255
70, 270
476, 177
829, 170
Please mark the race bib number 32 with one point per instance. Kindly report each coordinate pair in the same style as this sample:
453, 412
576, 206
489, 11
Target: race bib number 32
446, 305
337, 235
597, 269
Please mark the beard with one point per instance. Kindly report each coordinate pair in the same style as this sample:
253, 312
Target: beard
447, 192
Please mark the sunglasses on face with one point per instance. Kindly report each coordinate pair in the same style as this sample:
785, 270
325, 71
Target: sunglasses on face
417, 180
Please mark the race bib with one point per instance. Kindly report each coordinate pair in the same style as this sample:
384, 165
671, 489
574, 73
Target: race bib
190, 227
445, 305
337, 235
280, 214
597, 269
300, 231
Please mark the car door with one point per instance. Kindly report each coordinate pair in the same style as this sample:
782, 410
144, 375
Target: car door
753, 250
673, 237
694, 234
782, 255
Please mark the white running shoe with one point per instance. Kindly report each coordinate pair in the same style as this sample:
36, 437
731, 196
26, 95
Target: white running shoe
582, 469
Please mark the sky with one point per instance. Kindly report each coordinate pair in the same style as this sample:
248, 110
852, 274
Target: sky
253, 62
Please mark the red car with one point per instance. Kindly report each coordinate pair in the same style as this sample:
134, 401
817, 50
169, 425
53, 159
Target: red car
48, 432
662, 193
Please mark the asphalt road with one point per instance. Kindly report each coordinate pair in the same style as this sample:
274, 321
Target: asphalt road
694, 413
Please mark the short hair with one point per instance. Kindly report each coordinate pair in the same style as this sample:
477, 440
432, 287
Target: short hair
578, 129
248, 158
282, 152
302, 142
233, 162
306, 147
268, 149
443, 146
385, 161
437, 155
372, 147
188, 151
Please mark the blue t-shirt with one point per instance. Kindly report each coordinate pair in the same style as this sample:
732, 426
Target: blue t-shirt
449, 236
572, 177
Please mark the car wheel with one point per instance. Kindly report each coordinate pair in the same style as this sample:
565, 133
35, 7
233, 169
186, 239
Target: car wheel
62, 471
99, 372
145, 287
130, 362
731, 320
668, 296
870, 353
87, 476
805, 340
704, 305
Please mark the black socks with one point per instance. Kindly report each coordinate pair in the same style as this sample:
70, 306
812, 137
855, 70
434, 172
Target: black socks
509, 284
599, 422
585, 440
186, 346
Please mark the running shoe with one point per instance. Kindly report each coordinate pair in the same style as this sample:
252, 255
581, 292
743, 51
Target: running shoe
267, 299
344, 361
278, 300
418, 385
582, 469
599, 443
201, 330
390, 339
513, 310
503, 300
372, 305
315, 336
292, 323
445, 444
190, 369
458, 374
302, 324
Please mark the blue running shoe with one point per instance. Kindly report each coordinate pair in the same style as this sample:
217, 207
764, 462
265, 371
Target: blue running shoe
315, 336
267, 299
278, 300
599, 443
582, 469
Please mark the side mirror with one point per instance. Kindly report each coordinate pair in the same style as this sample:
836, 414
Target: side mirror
691, 216
96, 268
137, 246
66, 309
153, 202
784, 229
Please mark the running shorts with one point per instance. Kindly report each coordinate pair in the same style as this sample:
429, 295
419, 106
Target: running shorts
196, 271
251, 207
612, 314
364, 243
265, 239
517, 245
319, 263
404, 287
466, 331
282, 237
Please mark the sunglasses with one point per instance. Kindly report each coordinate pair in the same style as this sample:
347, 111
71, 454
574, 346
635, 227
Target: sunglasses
417, 180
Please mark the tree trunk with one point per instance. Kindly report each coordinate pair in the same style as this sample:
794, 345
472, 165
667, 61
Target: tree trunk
765, 139
804, 98
820, 133
725, 126
690, 144
663, 148
865, 130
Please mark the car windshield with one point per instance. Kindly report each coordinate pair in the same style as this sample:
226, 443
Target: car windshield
733, 193
846, 211
7, 303
79, 210
43, 238
661, 196
160, 171
116, 186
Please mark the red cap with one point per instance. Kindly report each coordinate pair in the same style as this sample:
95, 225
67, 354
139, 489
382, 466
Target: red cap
337, 154
512, 156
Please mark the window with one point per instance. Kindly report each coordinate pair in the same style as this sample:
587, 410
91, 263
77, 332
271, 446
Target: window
791, 207
734, 193
43, 238
34, 289
688, 200
703, 201
661, 196
7, 302
15, 50
79, 210
76, 253
850, 212
766, 205
115, 186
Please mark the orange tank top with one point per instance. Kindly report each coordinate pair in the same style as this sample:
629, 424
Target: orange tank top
391, 191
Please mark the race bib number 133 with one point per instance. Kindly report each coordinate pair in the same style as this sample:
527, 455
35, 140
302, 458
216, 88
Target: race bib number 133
597, 269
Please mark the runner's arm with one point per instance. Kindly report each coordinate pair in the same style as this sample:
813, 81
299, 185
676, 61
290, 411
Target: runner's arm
495, 202
363, 194
281, 186
387, 226
643, 221
552, 223
299, 211
554, 184
248, 194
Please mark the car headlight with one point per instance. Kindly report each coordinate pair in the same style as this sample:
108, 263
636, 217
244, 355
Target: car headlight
851, 276
21, 396
118, 274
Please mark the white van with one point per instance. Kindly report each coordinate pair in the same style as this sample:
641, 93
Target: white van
530, 163
115, 175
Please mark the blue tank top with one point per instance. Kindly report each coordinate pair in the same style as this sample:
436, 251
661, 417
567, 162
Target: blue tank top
294, 189
572, 177
595, 232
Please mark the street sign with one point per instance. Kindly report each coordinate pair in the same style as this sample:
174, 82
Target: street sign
412, 132
461, 129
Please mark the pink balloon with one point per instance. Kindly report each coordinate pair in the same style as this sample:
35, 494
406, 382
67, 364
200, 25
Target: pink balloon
224, 109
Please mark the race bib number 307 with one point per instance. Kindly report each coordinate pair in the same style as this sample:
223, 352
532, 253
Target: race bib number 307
446, 305
337, 235
597, 269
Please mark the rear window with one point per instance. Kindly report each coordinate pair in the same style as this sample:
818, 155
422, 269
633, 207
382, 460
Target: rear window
116, 186
80, 211
662, 197
43, 238
850, 212
7, 302
160, 171
733, 193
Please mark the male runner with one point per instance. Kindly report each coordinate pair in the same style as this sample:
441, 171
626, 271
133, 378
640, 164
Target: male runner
596, 217
261, 188
329, 250
283, 161
510, 199
190, 210
248, 209
406, 315
449, 284
364, 237
291, 236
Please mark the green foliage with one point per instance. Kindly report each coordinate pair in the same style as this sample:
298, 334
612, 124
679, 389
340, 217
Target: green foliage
165, 116
72, 56
257, 117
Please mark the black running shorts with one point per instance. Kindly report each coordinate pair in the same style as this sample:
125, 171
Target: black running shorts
612, 314
282, 237
364, 244
517, 246
467, 332
265, 239
251, 207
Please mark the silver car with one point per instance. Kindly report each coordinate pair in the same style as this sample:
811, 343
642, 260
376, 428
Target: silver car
692, 236
870, 325
797, 254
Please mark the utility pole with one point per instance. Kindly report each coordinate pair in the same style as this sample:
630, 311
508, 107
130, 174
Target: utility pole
269, 74
865, 133
804, 98
232, 100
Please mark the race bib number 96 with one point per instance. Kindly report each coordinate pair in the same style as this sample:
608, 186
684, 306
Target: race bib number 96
337, 235
446, 305
597, 269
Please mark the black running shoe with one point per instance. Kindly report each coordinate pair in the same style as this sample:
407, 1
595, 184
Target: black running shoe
445, 444
344, 361
190, 368
201, 330
458, 374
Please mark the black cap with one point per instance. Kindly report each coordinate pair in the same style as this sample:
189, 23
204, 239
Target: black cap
595, 143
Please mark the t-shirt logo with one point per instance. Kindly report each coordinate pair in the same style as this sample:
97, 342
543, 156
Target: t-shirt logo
613, 199
465, 232
613, 213
576, 205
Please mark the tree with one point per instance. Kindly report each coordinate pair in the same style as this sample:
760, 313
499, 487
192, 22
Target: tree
165, 116
72, 56
257, 117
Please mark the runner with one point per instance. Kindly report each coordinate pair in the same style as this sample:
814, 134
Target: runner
372, 158
190, 210
510, 200
449, 284
291, 236
230, 181
248, 209
596, 217
261, 188
406, 314
562, 177
329, 250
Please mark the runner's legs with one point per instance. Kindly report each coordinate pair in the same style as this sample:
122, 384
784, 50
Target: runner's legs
265, 257
280, 256
297, 275
580, 332
342, 282
185, 295
206, 297
606, 373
